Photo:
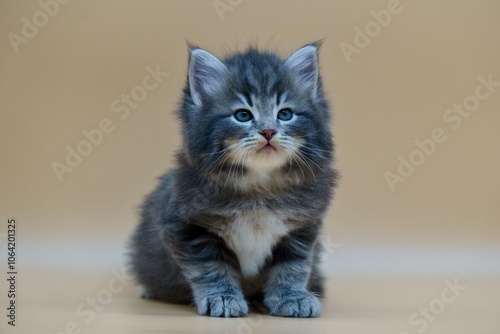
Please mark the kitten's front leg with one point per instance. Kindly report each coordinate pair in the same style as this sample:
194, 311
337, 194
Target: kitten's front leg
209, 269
216, 291
285, 292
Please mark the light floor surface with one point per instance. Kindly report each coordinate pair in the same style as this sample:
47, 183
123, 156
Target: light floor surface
54, 302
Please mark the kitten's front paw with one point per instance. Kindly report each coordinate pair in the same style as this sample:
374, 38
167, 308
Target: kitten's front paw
223, 306
298, 305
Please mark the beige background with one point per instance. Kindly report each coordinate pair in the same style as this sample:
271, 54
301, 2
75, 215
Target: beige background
443, 221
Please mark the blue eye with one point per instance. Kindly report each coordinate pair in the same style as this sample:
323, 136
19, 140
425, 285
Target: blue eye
243, 115
285, 114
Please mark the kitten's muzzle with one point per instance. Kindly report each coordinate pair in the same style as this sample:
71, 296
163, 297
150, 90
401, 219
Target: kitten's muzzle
268, 147
268, 134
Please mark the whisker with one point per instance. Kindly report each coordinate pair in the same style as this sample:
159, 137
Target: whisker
222, 155
308, 166
238, 163
316, 148
308, 134
309, 159
228, 147
298, 164
222, 165
233, 163
314, 154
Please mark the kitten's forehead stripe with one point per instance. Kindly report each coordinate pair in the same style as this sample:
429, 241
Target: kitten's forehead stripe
281, 98
258, 73
248, 99
245, 99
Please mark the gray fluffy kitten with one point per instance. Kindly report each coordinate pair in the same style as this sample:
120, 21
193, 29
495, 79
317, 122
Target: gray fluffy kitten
239, 218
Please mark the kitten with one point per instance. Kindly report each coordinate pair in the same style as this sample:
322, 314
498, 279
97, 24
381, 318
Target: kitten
239, 218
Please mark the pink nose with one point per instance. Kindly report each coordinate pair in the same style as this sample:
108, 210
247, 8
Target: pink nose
268, 133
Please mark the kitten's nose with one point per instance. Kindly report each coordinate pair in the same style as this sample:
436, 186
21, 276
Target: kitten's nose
268, 133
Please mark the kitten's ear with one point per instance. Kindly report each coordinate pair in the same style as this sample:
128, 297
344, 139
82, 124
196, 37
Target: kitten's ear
206, 74
304, 64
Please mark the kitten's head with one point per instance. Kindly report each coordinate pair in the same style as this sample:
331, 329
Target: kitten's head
255, 113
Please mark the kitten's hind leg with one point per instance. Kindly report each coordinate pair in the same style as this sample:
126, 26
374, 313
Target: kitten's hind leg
180, 294
155, 269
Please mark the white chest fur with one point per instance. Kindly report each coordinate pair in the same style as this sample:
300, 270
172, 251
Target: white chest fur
252, 236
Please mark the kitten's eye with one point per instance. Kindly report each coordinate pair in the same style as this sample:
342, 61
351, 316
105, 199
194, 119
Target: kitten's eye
243, 115
285, 114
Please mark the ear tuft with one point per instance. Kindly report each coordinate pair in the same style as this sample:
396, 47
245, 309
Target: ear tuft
304, 64
206, 74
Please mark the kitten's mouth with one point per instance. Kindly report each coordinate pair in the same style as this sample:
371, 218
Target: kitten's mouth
267, 148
